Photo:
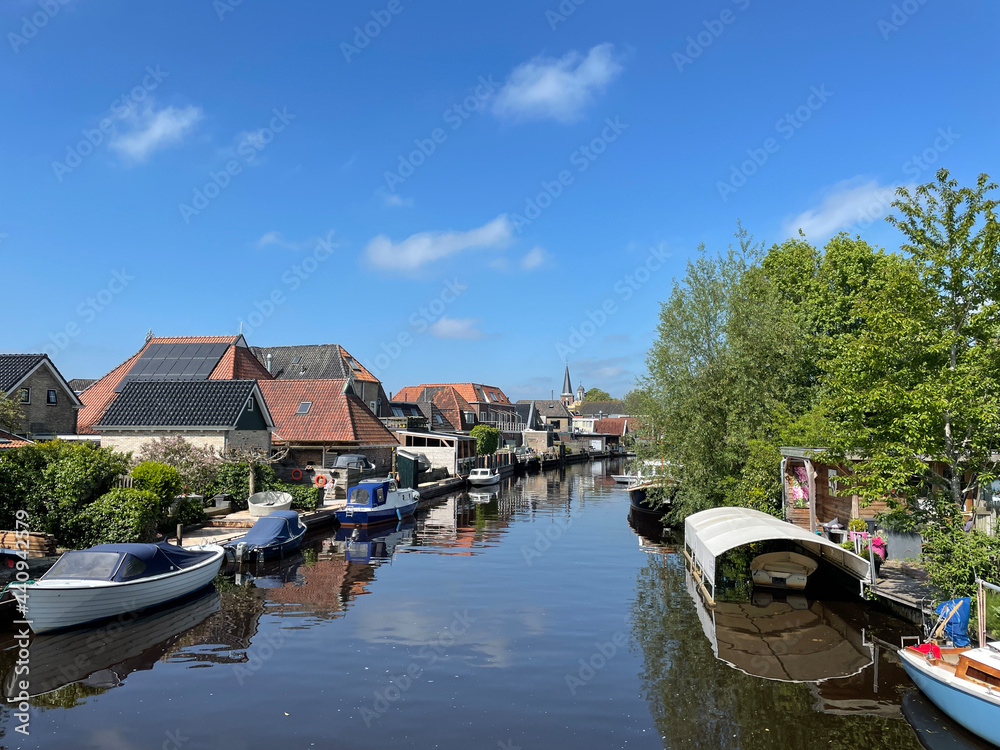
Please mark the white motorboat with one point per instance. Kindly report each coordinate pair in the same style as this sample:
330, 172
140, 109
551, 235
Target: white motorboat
782, 570
483, 477
113, 579
630, 479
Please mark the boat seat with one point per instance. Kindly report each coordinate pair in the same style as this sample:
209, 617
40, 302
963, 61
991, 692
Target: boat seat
787, 567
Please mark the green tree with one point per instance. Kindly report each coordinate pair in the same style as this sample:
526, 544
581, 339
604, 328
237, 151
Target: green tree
487, 439
596, 394
11, 414
922, 380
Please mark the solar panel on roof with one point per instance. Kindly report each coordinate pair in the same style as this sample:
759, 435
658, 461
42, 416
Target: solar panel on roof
184, 361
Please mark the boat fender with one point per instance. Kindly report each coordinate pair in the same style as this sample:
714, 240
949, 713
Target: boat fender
320, 480
399, 514
396, 477
296, 474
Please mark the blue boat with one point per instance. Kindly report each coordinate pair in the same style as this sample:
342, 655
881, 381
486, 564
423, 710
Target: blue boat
363, 544
375, 502
274, 535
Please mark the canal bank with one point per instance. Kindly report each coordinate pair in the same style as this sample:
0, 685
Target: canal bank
537, 618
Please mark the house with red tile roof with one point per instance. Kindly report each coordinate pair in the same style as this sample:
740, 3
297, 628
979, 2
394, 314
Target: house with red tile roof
488, 403
319, 419
457, 413
171, 358
9, 440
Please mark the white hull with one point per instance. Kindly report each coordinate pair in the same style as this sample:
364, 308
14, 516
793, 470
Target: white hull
57, 604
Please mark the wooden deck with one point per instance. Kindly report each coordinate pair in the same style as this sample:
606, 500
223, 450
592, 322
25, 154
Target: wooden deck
905, 594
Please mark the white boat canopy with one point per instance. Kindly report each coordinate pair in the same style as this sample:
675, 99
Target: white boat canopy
712, 532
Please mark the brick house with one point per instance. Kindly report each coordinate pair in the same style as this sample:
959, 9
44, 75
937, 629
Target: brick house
217, 414
457, 414
49, 404
553, 413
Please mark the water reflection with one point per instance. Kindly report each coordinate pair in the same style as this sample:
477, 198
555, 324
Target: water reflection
698, 699
360, 544
934, 730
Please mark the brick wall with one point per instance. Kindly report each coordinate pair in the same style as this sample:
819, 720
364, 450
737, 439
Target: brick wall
134, 441
42, 418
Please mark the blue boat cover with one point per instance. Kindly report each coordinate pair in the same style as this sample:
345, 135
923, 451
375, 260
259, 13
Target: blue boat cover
137, 561
958, 626
275, 528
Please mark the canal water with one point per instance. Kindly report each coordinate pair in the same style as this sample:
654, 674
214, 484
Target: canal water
534, 618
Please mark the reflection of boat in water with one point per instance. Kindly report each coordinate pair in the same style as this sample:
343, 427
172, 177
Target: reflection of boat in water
782, 570
651, 533
364, 545
790, 641
104, 656
934, 729
269, 575
480, 498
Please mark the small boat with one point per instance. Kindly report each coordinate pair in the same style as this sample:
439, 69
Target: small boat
483, 477
481, 498
782, 570
377, 502
962, 681
275, 535
112, 579
265, 503
640, 503
631, 478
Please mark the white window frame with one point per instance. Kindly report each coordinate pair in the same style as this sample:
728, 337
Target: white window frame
24, 392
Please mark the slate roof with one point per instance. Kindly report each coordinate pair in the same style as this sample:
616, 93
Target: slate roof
79, 385
336, 415
179, 403
234, 363
615, 426
14, 367
567, 385
593, 408
437, 420
312, 361
549, 409
528, 415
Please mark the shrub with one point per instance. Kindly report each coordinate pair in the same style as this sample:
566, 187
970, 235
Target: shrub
121, 515
955, 557
162, 480
487, 439
856, 524
187, 513
304, 497
198, 467
234, 479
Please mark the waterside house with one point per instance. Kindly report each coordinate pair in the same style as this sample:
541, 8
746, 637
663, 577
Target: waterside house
455, 411
554, 414
47, 401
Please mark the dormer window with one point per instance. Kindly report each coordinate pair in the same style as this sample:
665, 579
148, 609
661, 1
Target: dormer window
304, 407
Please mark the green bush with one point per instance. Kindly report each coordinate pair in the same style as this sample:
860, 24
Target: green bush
955, 557
121, 515
487, 439
162, 480
304, 497
198, 467
187, 513
856, 524
234, 479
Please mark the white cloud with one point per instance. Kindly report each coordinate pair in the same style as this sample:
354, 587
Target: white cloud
559, 89
420, 249
535, 257
275, 239
456, 328
392, 199
857, 201
151, 129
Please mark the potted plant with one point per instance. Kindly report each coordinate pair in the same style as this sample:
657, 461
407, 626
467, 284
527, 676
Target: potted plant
877, 545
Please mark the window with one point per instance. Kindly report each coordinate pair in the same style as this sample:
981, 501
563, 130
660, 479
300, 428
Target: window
372, 405
397, 411
51, 397
296, 360
250, 405
25, 394
438, 418
831, 478
354, 364
304, 407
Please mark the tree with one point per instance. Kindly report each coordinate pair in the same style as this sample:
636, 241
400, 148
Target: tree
596, 394
11, 414
198, 466
487, 439
918, 390
253, 458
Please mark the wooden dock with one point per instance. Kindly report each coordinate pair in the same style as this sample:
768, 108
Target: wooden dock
904, 594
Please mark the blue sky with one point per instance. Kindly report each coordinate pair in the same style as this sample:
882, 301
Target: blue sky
452, 191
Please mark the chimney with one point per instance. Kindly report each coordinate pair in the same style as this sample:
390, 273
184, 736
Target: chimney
269, 361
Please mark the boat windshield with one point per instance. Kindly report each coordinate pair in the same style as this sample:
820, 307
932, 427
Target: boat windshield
84, 564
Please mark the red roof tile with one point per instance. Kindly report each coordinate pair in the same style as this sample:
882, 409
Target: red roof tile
334, 417
468, 392
611, 426
445, 397
9, 440
238, 363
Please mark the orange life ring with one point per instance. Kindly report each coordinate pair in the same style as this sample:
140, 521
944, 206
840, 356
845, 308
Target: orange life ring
320, 480
296, 474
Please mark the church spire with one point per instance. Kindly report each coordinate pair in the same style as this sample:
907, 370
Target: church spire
567, 391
